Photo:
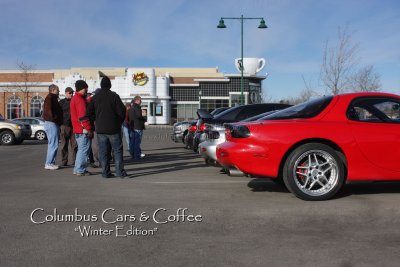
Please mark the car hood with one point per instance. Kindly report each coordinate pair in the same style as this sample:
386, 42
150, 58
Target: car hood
7, 123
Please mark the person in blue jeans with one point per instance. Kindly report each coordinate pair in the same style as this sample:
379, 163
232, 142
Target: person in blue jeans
82, 128
107, 111
53, 116
125, 125
136, 125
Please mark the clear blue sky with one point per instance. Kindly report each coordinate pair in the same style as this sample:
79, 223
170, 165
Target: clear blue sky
182, 33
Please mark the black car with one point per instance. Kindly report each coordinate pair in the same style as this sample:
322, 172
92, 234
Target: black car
189, 133
234, 114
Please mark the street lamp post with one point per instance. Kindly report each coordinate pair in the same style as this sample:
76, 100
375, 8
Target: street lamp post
200, 93
221, 25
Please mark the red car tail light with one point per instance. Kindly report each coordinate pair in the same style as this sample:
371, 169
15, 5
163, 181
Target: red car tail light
192, 128
202, 127
228, 135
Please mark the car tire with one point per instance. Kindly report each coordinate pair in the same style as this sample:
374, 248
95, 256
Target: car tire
7, 138
183, 136
314, 171
40, 135
208, 162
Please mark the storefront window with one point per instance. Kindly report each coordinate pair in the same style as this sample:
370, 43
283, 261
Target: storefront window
14, 108
187, 111
159, 110
36, 106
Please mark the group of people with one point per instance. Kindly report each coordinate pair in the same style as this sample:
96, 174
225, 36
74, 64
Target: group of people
92, 125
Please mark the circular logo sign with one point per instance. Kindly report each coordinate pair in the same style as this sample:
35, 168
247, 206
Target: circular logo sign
140, 78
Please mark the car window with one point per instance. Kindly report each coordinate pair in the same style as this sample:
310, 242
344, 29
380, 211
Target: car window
33, 121
229, 115
374, 109
304, 110
251, 111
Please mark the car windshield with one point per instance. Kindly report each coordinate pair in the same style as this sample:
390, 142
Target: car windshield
304, 110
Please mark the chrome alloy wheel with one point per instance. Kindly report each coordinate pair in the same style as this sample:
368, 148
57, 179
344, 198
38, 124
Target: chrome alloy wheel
41, 135
315, 172
6, 138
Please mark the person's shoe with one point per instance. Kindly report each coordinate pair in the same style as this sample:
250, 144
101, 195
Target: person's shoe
51, 167
142, 155
123, 175
86, 173
93, 165
109, 176
64, 164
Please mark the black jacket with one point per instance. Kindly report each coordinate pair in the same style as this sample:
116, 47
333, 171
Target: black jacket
65, 106
52, 110
135, 118
107, 111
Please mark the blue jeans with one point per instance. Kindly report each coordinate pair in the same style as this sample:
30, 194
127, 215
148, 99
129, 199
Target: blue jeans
126, 131
106, 142
134, 142
53, 137
83, 152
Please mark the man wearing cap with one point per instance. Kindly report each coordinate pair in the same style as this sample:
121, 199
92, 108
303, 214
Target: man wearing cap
81, 127
67, 137
53, 118
108, 112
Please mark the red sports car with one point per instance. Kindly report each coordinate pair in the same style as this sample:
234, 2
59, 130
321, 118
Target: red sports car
316, 146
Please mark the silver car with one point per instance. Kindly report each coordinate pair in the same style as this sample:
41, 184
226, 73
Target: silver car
37, 126
215, 135
179, 131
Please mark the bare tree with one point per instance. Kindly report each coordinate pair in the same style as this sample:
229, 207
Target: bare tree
27, 81
366, 80
307, 84
338, 64
304, 96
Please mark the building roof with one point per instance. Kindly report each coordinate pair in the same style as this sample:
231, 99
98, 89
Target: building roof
26, 77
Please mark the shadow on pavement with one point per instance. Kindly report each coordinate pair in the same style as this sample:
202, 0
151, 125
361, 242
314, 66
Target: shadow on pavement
359, 188
266, 185
368, 188
143, 171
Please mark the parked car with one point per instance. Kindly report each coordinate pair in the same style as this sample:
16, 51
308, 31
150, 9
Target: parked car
215, 135
317, 146
37, 126
188, 137
234, 114
180, 129
12, 132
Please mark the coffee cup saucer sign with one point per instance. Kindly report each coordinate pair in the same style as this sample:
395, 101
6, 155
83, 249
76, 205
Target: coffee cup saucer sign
140, 78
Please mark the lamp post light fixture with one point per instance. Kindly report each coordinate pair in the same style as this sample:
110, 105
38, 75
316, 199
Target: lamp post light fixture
222, 25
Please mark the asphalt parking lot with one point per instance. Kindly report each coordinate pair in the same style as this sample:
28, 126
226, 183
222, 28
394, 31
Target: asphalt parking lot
174, 211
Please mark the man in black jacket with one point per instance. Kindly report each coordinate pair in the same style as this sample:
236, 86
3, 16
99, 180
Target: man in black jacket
107, 111
53, 116
136, 125
67, 136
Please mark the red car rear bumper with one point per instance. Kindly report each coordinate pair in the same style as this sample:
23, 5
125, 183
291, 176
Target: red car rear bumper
248, 158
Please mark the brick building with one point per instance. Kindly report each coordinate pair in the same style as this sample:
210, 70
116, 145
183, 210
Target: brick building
168, 94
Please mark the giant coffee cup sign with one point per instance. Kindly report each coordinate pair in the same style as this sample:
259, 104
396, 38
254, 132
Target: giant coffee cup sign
251, 65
